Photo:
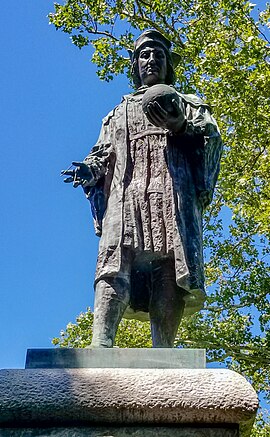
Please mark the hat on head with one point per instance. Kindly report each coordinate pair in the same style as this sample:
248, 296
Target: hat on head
154, 36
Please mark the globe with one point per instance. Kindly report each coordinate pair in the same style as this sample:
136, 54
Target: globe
163, 94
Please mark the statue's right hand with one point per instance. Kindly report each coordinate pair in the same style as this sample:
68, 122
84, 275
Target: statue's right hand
82, 175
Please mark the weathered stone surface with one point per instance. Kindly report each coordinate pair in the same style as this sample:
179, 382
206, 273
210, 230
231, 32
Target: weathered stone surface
120, 432
47, 397
115, 358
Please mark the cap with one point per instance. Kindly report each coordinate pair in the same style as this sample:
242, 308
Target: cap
154, 36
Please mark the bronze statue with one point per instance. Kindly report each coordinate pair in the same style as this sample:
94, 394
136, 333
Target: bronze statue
148, 180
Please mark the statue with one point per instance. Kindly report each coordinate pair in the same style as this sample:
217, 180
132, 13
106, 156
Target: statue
148, 180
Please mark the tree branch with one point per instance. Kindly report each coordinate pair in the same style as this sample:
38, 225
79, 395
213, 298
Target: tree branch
171, 28
104, 33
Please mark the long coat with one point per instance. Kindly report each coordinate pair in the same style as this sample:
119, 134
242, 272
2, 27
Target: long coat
193, 158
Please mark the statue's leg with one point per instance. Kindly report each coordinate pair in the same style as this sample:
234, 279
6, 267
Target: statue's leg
166, 305
111, 299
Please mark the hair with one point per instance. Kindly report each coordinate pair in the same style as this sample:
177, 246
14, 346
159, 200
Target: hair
170, 76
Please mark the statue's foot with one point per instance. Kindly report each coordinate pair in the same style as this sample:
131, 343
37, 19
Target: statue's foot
100, 343
92, 346
100, 347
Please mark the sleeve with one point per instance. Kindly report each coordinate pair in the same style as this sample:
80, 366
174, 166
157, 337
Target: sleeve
210, 156
98, 158
101, 160
203, 146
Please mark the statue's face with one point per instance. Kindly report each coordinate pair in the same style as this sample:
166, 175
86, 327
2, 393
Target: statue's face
152, 65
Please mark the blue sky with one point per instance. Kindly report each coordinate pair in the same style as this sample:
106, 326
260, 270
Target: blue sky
52, 104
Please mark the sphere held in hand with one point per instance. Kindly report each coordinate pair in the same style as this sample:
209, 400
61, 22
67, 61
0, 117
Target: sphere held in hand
162, 94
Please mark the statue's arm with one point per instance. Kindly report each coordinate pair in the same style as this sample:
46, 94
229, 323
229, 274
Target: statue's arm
100, 161
204, 147
88, 172
199, 121
97, 160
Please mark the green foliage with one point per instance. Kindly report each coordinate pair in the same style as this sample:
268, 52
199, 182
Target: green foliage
224, 47
77, 334
132, 333
262, 426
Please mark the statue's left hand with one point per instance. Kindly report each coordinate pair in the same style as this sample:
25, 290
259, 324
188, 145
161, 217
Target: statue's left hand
172, 121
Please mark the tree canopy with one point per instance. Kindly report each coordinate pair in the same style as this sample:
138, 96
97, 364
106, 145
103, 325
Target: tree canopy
224, 48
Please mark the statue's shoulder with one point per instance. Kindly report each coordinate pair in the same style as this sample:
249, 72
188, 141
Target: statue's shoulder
126, 97
131, 97
116, 111
119, 109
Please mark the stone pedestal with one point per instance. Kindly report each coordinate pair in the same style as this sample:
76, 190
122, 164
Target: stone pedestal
127, 358
118, 402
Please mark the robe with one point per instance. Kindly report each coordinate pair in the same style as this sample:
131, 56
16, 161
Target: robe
191, 162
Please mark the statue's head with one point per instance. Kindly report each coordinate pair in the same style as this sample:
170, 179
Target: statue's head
152, 60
